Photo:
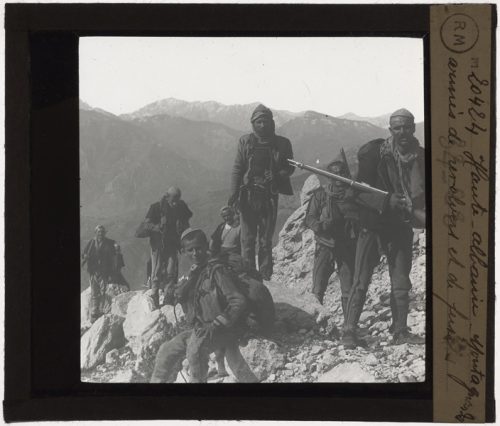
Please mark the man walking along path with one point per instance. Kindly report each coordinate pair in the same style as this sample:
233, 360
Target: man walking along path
215, 309
164, 223
396, 165
260, 173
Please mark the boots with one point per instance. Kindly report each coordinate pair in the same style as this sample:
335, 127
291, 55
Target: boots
404, 336
351, 341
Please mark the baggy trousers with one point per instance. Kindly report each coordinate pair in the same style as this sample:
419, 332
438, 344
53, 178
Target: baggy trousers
164, 269
197, 349
97, 296
399, 258
258, 227
325, 259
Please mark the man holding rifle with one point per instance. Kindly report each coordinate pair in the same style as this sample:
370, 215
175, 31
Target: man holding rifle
390, 193
396, 165
335, 222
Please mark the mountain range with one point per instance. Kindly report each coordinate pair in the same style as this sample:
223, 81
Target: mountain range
127, 162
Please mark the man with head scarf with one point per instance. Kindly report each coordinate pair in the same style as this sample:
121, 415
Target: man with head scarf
335, 222
396, 165
100, 254
260, 173
164, 224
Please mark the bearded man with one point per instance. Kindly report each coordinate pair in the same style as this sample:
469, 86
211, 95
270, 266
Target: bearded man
395, 165
260, 173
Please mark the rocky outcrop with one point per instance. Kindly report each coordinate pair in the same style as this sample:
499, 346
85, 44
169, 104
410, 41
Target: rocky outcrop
104, 335
304, 345
264, 357
112, 291
347, 373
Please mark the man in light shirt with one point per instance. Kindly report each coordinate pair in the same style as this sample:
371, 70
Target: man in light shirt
226, 237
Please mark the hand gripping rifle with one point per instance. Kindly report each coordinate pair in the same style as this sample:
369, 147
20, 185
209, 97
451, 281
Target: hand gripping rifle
352, 183
416, 216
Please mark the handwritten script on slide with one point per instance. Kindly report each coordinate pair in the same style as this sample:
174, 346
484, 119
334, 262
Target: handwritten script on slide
461, 125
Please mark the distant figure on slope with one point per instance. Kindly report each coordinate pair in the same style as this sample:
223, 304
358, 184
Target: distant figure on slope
260, 173
164, 223
100, 255
396, 165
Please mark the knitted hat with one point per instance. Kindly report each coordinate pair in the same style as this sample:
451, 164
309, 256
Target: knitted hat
261, 111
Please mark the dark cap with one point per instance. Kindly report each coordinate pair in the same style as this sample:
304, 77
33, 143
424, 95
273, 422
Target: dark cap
261, 111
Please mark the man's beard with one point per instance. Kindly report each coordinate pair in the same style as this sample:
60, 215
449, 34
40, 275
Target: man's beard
264, 132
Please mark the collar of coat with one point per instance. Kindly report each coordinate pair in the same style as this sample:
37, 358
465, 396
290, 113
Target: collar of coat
388, 148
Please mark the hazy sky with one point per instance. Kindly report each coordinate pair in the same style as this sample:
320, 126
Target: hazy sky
368, 76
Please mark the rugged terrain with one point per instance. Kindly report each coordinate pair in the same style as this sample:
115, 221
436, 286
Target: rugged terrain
304, 345
127, 162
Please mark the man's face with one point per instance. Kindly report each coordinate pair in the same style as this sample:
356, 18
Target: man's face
228, 217
338, 169
172, 199
263, 126
196, 250
100, 233
402, 130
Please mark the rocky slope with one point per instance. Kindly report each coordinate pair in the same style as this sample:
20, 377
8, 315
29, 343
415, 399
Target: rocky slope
304, 345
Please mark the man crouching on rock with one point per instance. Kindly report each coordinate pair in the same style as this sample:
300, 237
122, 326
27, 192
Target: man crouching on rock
215, 309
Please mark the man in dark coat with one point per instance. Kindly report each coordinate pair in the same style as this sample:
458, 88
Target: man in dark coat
215, 309
395, 165
335, 222
226, 237
100, 255
164, 223
260, 173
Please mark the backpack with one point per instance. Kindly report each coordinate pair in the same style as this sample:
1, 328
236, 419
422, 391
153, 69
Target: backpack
261, 311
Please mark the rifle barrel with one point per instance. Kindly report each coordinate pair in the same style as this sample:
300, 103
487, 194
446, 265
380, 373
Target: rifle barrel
357, 185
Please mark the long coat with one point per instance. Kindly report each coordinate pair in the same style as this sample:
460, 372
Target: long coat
281, 151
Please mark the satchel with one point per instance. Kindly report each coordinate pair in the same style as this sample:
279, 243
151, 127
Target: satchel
143, 231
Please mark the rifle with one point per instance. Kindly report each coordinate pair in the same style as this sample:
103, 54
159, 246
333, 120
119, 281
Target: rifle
417, 215
352, 183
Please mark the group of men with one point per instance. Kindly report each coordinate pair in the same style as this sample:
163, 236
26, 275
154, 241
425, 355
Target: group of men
353, 229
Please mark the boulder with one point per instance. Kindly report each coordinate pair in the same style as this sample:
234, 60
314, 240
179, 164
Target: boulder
112, 291
119, 304
146, 330
349, 372
85, 308
113, 356
104, 335
264, 357
297, 311
144, 326
311, 183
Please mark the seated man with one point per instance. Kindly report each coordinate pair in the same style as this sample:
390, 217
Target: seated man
214, 308
226, 238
